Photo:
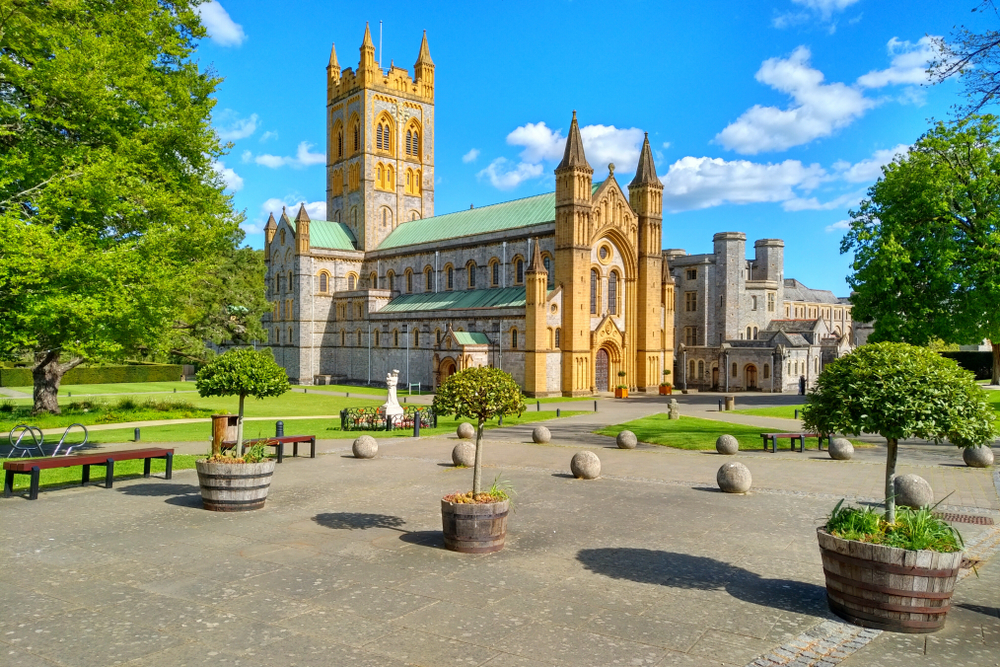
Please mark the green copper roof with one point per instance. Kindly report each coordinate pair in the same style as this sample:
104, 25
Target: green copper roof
494, 218
471, 338
508, 297
329, 235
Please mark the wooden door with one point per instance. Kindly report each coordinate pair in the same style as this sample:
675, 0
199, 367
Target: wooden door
751, 373
601, 371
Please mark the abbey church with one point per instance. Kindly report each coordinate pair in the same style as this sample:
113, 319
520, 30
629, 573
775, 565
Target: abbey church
570, 291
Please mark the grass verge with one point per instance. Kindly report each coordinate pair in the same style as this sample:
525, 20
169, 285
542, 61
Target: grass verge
783, 411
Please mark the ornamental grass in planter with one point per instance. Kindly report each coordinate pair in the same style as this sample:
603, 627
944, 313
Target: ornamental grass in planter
476, 521
237, 481
895, 572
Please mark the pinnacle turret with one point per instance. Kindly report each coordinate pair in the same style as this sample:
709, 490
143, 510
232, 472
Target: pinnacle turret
271, 224
645, 173
536, 263
574, 156
367, 51
425, 53
334, 65
302, 216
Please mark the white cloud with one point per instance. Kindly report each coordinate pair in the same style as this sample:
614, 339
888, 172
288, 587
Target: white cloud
503, 176
818, 110
840, 225
908, 66
315, 209
221, 28
814, 9
303, 158
268, 136
231, 178
666, 144
246, 157
694, 183
826, 8
867, 171
230, 127
607, 143
813, 204
540, 143
471, 156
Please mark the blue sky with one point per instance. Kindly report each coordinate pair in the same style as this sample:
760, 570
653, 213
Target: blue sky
768, 117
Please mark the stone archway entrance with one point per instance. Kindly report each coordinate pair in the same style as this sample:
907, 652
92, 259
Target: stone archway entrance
446, 369
750, 372
715, 378
602, 364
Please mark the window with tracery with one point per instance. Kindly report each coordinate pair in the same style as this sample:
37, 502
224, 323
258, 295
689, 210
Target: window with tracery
613, 293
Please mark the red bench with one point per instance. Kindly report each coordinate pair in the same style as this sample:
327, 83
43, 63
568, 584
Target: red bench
801, 437
279, 443
33, 467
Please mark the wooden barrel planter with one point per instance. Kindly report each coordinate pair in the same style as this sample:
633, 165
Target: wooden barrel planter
234, 487
474, 528
881, 587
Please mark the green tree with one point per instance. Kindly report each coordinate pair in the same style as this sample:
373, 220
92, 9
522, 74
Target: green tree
926, 242
899, 391
481, 394
242, 372
111, 207
975, 59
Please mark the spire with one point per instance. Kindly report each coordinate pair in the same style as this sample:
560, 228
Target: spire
645, 173
574, 155
367, 51
536, 264
333, 58
302, 216
367, 43
271, 224
425, 53
284, 216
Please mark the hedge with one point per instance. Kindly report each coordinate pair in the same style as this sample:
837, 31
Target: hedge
980, 363
21, 377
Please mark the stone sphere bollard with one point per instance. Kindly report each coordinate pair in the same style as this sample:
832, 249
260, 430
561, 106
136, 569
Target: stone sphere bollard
978, 457
913, 491
466, 431
464, 454
734, 478
365, 447
541, 435
841, 449
626, 440
727, 444
585, 465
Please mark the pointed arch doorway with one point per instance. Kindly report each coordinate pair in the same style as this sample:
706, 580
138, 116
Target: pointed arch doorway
751, 375
602, 364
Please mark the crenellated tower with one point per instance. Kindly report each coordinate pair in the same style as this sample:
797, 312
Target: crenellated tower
380, 143
646, 199
574, 186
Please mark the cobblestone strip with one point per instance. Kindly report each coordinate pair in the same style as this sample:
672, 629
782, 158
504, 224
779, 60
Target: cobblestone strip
825, 645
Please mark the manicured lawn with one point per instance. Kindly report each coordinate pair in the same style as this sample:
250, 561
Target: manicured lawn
321, 428
562, 399
123, 469
95, 411
120, 388
785, 411
686, 432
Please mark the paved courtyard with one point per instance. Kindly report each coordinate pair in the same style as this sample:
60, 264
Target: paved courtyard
649, 565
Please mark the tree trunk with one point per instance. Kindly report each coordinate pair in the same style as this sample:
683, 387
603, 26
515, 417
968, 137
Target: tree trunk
890, 477
47, 374
477, 475
996, 362
239, 429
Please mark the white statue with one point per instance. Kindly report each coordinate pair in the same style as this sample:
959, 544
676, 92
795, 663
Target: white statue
391, 406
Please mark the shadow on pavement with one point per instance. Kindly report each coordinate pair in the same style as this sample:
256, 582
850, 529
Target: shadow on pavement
424, 538
184, 495
358, 521
684, 571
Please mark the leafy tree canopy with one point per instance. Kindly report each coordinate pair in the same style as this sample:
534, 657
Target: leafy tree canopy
243, 372
112, 213
926, 242
479, 393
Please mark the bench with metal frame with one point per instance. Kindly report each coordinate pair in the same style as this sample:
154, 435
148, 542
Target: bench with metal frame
279, 442
801, 437
33, 467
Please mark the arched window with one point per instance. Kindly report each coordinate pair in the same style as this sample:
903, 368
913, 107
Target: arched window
386, 217
749, 333
357, 137
513, 339
378, 137
383, 135
437, 337
767, 371
324, 282
340, 143
416, 338
449, 277
470, 268
359, 337
414, 215
734, 370
409, 281
518, 271
755, 333
290, 281
289, 335
594, 279
428, 282
390, 178
395, 338
558, 337
380, 176
691, 369
352, 281
613, 293
373, 280
494, 272
375, 340
409, 140
390, 279
343, 337
701, 370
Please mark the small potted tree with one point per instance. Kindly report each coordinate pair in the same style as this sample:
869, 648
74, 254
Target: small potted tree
665, 387
897, 391
621, 390
476, 521
238, 480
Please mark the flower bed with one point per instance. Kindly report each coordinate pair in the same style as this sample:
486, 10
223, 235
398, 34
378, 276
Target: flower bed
373, 419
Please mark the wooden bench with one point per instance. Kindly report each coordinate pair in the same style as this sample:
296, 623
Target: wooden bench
34, 467
279, 443
801, 437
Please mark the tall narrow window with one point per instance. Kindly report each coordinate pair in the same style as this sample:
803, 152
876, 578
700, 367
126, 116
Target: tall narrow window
352, 282
324, 282
390, 278
733, 370
471, 269
558, 336
701, 369
749, 333
357, 137
416, 338
395, 338
513, 339
613, 293
495, 273
518, 271
428, 283
767, 371
409, 142
416, 144
340, 144
375, 342
450, 277
378, 137
373, 279
409, 281
593, 291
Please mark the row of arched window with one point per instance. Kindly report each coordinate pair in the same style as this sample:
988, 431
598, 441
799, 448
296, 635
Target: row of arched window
614, 292
384, 137
385, 179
